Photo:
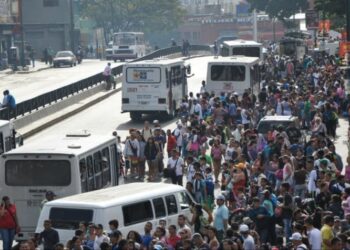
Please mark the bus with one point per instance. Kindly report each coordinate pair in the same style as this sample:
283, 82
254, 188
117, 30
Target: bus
153, 86
7, 136
242, 48
73, 164
293, 47
126, 45
232, 74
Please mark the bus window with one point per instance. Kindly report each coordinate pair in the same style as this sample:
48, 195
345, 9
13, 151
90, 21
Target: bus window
90, 170
114, 163
138, 212
227, 73
225, 51
83, 175
106, 170
159, 207
176, 75
37, 173
98, 169
8, 143
246, 51
171, 204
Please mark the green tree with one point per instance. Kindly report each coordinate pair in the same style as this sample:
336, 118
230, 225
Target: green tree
134, 15
335, 10
280, 9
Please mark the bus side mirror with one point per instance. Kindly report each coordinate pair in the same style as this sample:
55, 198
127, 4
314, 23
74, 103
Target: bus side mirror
188, 69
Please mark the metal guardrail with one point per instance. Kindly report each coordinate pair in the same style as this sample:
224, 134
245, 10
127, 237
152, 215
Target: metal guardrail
30, 105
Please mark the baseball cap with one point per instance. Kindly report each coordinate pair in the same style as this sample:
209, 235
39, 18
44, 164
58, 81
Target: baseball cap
243, 228
220, 197
155, 122
296, 236
196, 235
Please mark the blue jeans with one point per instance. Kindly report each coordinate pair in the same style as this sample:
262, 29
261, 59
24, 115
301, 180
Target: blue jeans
287, 228
7, 236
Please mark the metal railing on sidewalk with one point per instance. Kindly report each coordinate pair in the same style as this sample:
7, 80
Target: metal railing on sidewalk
33, 104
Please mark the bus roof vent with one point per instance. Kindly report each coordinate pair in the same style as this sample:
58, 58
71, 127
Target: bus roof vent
83, 133
74, 146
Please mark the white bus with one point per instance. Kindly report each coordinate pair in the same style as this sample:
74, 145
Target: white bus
232, 74
242, 48
132, 204
127, 45
77, 163
151, 86
7, 136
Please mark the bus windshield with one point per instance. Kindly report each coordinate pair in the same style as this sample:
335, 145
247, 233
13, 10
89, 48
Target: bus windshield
124, 39
228, 73
246, 51
37, 173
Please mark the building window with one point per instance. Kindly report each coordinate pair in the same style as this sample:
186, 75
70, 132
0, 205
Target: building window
51, 3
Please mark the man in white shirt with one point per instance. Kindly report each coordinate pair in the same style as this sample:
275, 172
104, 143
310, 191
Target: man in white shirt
248, 243
178, 133
100, 237
197, 109
314, 235
132, 152
176, 164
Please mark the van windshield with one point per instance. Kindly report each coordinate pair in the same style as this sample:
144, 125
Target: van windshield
246, 51
69, 218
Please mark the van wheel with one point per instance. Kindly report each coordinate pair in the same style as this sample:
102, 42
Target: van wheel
172, 113
135, 116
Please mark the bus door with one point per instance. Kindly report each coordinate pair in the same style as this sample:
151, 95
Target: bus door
114, 164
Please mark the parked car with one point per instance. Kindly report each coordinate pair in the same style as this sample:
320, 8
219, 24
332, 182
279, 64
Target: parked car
64, 58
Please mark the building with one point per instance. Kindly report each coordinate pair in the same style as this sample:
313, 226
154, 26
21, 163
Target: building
8, 23
47, 24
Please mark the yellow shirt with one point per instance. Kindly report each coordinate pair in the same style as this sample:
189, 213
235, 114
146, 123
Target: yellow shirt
327, 234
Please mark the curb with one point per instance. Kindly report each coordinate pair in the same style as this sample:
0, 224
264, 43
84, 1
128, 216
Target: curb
69, 114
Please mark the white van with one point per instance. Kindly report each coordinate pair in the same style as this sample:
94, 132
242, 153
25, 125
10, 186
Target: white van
131, 204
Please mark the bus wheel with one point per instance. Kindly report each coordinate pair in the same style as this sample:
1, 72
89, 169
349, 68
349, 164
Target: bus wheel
135, 116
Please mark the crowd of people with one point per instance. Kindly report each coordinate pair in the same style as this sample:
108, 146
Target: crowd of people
284, 189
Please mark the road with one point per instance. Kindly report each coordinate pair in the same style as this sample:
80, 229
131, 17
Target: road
106, 116
26, 86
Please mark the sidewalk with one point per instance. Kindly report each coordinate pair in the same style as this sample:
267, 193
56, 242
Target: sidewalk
28, 69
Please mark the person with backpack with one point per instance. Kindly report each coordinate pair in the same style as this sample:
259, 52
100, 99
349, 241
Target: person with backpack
132, 153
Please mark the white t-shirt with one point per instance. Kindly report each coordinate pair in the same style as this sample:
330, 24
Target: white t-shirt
190, 172
311, 186
179, 163
99, 240
315, 239
178, 133
248, 243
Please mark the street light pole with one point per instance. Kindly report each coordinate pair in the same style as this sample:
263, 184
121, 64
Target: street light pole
71, 25
22, 32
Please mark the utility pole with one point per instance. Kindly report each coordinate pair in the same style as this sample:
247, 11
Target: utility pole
348, 20
20, 9
71, 12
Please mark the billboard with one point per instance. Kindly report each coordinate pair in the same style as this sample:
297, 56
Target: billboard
312, 20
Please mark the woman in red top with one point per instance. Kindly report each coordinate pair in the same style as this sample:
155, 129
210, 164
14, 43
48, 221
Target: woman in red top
8, 222
171, 142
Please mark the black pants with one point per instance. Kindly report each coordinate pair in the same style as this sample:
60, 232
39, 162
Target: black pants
176, 179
